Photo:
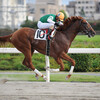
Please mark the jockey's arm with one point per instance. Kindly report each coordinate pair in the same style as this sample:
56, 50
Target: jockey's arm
50, 20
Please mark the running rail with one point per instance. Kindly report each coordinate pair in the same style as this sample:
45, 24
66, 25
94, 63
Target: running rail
71, 50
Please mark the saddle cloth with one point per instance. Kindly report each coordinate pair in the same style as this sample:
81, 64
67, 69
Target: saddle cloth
41, 34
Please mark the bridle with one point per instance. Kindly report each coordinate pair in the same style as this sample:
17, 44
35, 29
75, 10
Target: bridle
86, 30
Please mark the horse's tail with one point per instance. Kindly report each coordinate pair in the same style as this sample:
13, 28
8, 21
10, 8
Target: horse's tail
4, 39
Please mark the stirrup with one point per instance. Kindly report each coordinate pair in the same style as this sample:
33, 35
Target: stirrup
49, 37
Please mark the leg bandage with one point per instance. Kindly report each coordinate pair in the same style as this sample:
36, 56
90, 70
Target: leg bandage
71, 70
37, 72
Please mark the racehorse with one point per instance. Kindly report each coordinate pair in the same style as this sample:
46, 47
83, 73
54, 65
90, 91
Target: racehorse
23, 40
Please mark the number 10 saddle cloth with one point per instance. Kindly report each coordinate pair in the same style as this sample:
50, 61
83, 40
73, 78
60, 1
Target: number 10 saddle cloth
41, 34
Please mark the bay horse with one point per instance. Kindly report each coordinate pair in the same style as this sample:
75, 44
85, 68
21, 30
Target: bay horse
23, 40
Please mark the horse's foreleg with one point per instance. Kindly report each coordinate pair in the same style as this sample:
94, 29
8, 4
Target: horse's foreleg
59, 61
68, 58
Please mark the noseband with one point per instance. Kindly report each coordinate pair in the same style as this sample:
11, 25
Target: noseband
87, 29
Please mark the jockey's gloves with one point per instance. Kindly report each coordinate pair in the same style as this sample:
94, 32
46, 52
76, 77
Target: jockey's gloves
57, 23
60, 23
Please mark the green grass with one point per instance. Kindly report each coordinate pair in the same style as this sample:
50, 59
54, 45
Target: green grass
80, 38
54, 78
84, 62
82, 41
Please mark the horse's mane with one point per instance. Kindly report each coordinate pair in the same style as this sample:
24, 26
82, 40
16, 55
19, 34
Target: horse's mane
68, 22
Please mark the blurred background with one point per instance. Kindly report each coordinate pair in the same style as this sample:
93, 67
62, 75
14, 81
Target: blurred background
18, 13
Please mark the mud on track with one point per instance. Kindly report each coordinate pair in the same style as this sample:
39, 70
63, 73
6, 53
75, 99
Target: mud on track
49, 91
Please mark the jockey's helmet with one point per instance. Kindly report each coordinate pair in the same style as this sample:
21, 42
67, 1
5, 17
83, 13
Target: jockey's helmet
60, 15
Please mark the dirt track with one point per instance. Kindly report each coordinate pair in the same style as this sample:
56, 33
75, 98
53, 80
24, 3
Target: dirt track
49, 91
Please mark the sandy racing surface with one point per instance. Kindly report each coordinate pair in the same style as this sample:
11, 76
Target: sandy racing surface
22, 90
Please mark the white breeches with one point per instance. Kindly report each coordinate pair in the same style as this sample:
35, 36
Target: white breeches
44, 25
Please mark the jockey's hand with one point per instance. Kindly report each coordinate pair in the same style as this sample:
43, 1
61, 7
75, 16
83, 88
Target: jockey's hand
57, 23
60, 23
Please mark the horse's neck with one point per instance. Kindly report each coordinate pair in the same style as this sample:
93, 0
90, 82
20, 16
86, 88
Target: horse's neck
72, 31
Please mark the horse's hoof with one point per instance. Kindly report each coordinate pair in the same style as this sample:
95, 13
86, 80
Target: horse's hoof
44, 77
37, 76
67, 77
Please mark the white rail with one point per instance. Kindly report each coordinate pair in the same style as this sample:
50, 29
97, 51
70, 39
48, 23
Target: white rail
71, 50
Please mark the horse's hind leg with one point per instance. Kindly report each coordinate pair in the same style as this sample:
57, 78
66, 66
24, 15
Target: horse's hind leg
60, 62
28, 62
25, 60
68, 58
25, 48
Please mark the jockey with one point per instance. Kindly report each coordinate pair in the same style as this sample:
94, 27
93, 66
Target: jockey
48, 22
